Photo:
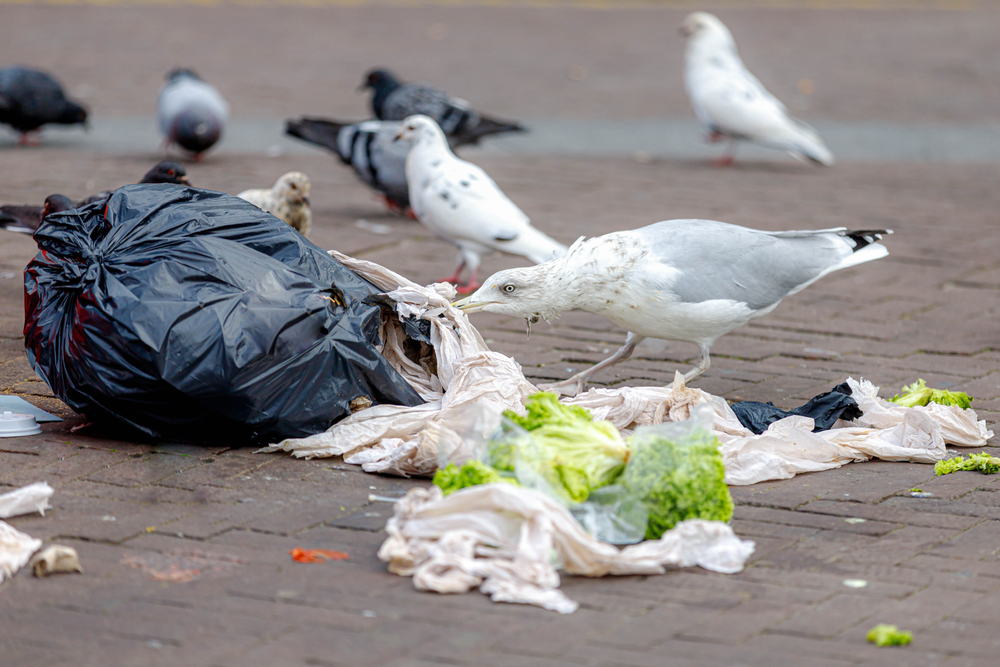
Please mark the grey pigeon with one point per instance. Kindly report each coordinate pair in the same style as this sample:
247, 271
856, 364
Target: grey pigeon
368, 147
27, 218
192, 113
394, 100
30, 99
685, 280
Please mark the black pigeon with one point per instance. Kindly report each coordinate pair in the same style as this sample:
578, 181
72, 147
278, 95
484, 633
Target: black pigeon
394, 100
368, 147
30, 99
26, 219
14, 218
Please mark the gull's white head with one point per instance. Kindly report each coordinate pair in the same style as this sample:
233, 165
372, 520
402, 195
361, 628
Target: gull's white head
523, 292
702, 25
421, 129
293, 187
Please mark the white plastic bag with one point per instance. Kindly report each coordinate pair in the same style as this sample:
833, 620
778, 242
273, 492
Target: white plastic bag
27, 499
15, 549
503, 539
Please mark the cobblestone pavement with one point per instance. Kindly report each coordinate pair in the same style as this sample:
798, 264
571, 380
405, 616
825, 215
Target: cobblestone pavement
185, 549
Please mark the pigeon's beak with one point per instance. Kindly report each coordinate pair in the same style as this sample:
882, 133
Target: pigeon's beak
184, 180
362, 87
306, 200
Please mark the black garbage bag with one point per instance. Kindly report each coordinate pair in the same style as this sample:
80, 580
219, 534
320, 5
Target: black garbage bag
825, 409
186, 313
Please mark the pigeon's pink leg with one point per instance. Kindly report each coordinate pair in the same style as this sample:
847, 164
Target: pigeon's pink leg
472, 285
727, 159
453, 279
197, 157
715, 137
27, 140
392, 206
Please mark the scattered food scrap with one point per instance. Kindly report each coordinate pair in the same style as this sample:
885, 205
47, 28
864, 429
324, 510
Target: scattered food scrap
919, 393
300, 555
55, 559
889, 635
983, 462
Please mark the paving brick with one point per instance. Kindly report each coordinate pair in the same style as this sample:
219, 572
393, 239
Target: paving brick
832, 617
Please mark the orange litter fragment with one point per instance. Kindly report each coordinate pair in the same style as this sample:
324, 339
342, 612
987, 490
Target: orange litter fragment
300, 555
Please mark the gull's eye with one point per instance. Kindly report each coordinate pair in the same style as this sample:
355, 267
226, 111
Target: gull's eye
508, 288
294, 187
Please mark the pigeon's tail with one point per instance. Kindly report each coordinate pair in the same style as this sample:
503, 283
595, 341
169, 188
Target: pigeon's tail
318, 131
809, 144
484, 128
24, 219
535, 245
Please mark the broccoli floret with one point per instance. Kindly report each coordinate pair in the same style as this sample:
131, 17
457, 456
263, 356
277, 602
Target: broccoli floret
889, 635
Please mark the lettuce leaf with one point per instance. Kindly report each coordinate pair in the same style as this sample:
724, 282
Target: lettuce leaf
889, 635
472, 473
919, 393
983, 462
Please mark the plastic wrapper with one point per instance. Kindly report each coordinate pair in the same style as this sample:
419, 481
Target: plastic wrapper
193, 314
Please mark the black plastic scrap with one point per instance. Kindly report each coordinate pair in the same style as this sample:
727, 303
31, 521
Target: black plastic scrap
188, 313
825, 410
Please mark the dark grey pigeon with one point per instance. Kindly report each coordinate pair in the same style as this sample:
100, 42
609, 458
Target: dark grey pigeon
26, 219
368, 147
192, 113
30, 99
394, 100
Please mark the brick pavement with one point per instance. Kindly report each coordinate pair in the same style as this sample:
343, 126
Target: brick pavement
185, 548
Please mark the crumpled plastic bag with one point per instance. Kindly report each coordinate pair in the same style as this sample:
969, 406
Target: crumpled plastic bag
27, 499
15, 549
825, 409
411, 441
958, 426
504, 540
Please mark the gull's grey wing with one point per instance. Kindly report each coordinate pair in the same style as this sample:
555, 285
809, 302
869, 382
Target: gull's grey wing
701, 260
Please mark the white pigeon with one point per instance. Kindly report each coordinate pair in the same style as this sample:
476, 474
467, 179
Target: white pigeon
457, 201
287, 200
730, 102
683, 280
191, 113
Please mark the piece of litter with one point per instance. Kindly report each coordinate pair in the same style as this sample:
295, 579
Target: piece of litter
108, 517
150, 529
854, 583
55, 559
18, 404
300, 555
916, 490
922, 494
854, 520
889, 635
373, 227
368, 613
246, 500
155, 643
372, 498
26, 500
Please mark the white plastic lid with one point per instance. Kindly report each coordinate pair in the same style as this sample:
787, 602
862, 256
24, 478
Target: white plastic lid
13, 425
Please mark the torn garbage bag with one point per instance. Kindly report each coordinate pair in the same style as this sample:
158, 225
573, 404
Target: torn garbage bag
188, 313
824, 409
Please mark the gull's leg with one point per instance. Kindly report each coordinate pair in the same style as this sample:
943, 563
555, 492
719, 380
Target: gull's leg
702, 366
715, 137
579, 381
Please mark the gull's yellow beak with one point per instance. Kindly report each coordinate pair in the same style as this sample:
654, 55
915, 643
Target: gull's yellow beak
463, 304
